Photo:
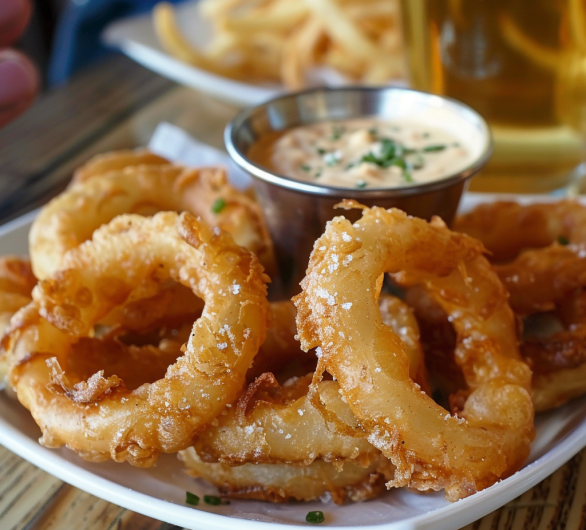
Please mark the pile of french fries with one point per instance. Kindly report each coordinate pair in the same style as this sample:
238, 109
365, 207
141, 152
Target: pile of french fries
285, 40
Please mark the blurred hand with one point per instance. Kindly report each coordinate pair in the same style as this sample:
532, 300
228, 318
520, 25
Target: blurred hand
19, 79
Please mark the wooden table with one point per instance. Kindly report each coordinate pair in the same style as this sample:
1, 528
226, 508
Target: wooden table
116, 105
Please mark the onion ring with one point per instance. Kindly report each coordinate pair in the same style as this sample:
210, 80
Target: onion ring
273, 424
100, 418
16, 284
279, 428
541, 271
71, 218
115, 161
542, 275
285, 482
337, 311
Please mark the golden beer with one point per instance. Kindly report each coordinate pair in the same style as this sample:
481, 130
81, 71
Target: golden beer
519, 63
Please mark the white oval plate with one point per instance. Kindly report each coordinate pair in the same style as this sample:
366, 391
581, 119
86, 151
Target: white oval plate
159, 492
135, 37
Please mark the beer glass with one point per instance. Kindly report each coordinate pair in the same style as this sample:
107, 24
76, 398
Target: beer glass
519, 63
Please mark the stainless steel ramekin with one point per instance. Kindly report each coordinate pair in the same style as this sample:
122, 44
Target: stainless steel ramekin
296, 211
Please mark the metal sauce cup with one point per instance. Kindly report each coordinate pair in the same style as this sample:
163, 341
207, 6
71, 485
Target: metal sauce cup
297, 211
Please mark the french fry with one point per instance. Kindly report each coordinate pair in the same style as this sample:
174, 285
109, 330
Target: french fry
285, 40
176, 44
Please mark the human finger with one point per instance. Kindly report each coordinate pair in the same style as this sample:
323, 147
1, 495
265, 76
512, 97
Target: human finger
19, 84
14, 17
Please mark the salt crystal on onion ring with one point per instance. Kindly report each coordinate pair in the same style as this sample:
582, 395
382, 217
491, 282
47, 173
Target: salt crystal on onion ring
337, 311
100, 418
71, 218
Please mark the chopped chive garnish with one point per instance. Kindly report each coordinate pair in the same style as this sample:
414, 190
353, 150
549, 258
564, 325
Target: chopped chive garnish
373, 132
426, 135
361, 184
321, 151
432, 148
191, 498
315, 517
563, 240
407, 176
212, 499
218, 205
317, 174
400, 162
305, 167
350, 165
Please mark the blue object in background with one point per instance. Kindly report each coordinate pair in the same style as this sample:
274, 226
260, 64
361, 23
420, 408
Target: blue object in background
77, 38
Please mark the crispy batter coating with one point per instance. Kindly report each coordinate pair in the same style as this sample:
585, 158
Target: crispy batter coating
544, 247
16, 284
286, 482
337, 312
538, 270
101, 418
71, 218
273, 424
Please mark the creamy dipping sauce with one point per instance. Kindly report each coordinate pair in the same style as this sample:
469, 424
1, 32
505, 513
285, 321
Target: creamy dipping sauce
363, 153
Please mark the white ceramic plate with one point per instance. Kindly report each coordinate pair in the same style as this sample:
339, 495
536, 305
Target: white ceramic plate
135, 37
159, 492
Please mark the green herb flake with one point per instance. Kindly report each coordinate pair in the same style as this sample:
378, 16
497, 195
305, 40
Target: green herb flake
315, 517
350, 165
361, 184
434, 148
407, 176
426, 135
218, 205
563, 240
321, 151
317, 174
373, 132
305, 168
191, 498
212, 500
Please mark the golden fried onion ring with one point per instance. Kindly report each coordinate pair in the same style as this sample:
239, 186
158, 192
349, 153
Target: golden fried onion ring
100, 418
273, 424
285, 482
542, 275
540, 271
115, 161
337, 312
16, 284
71, 218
